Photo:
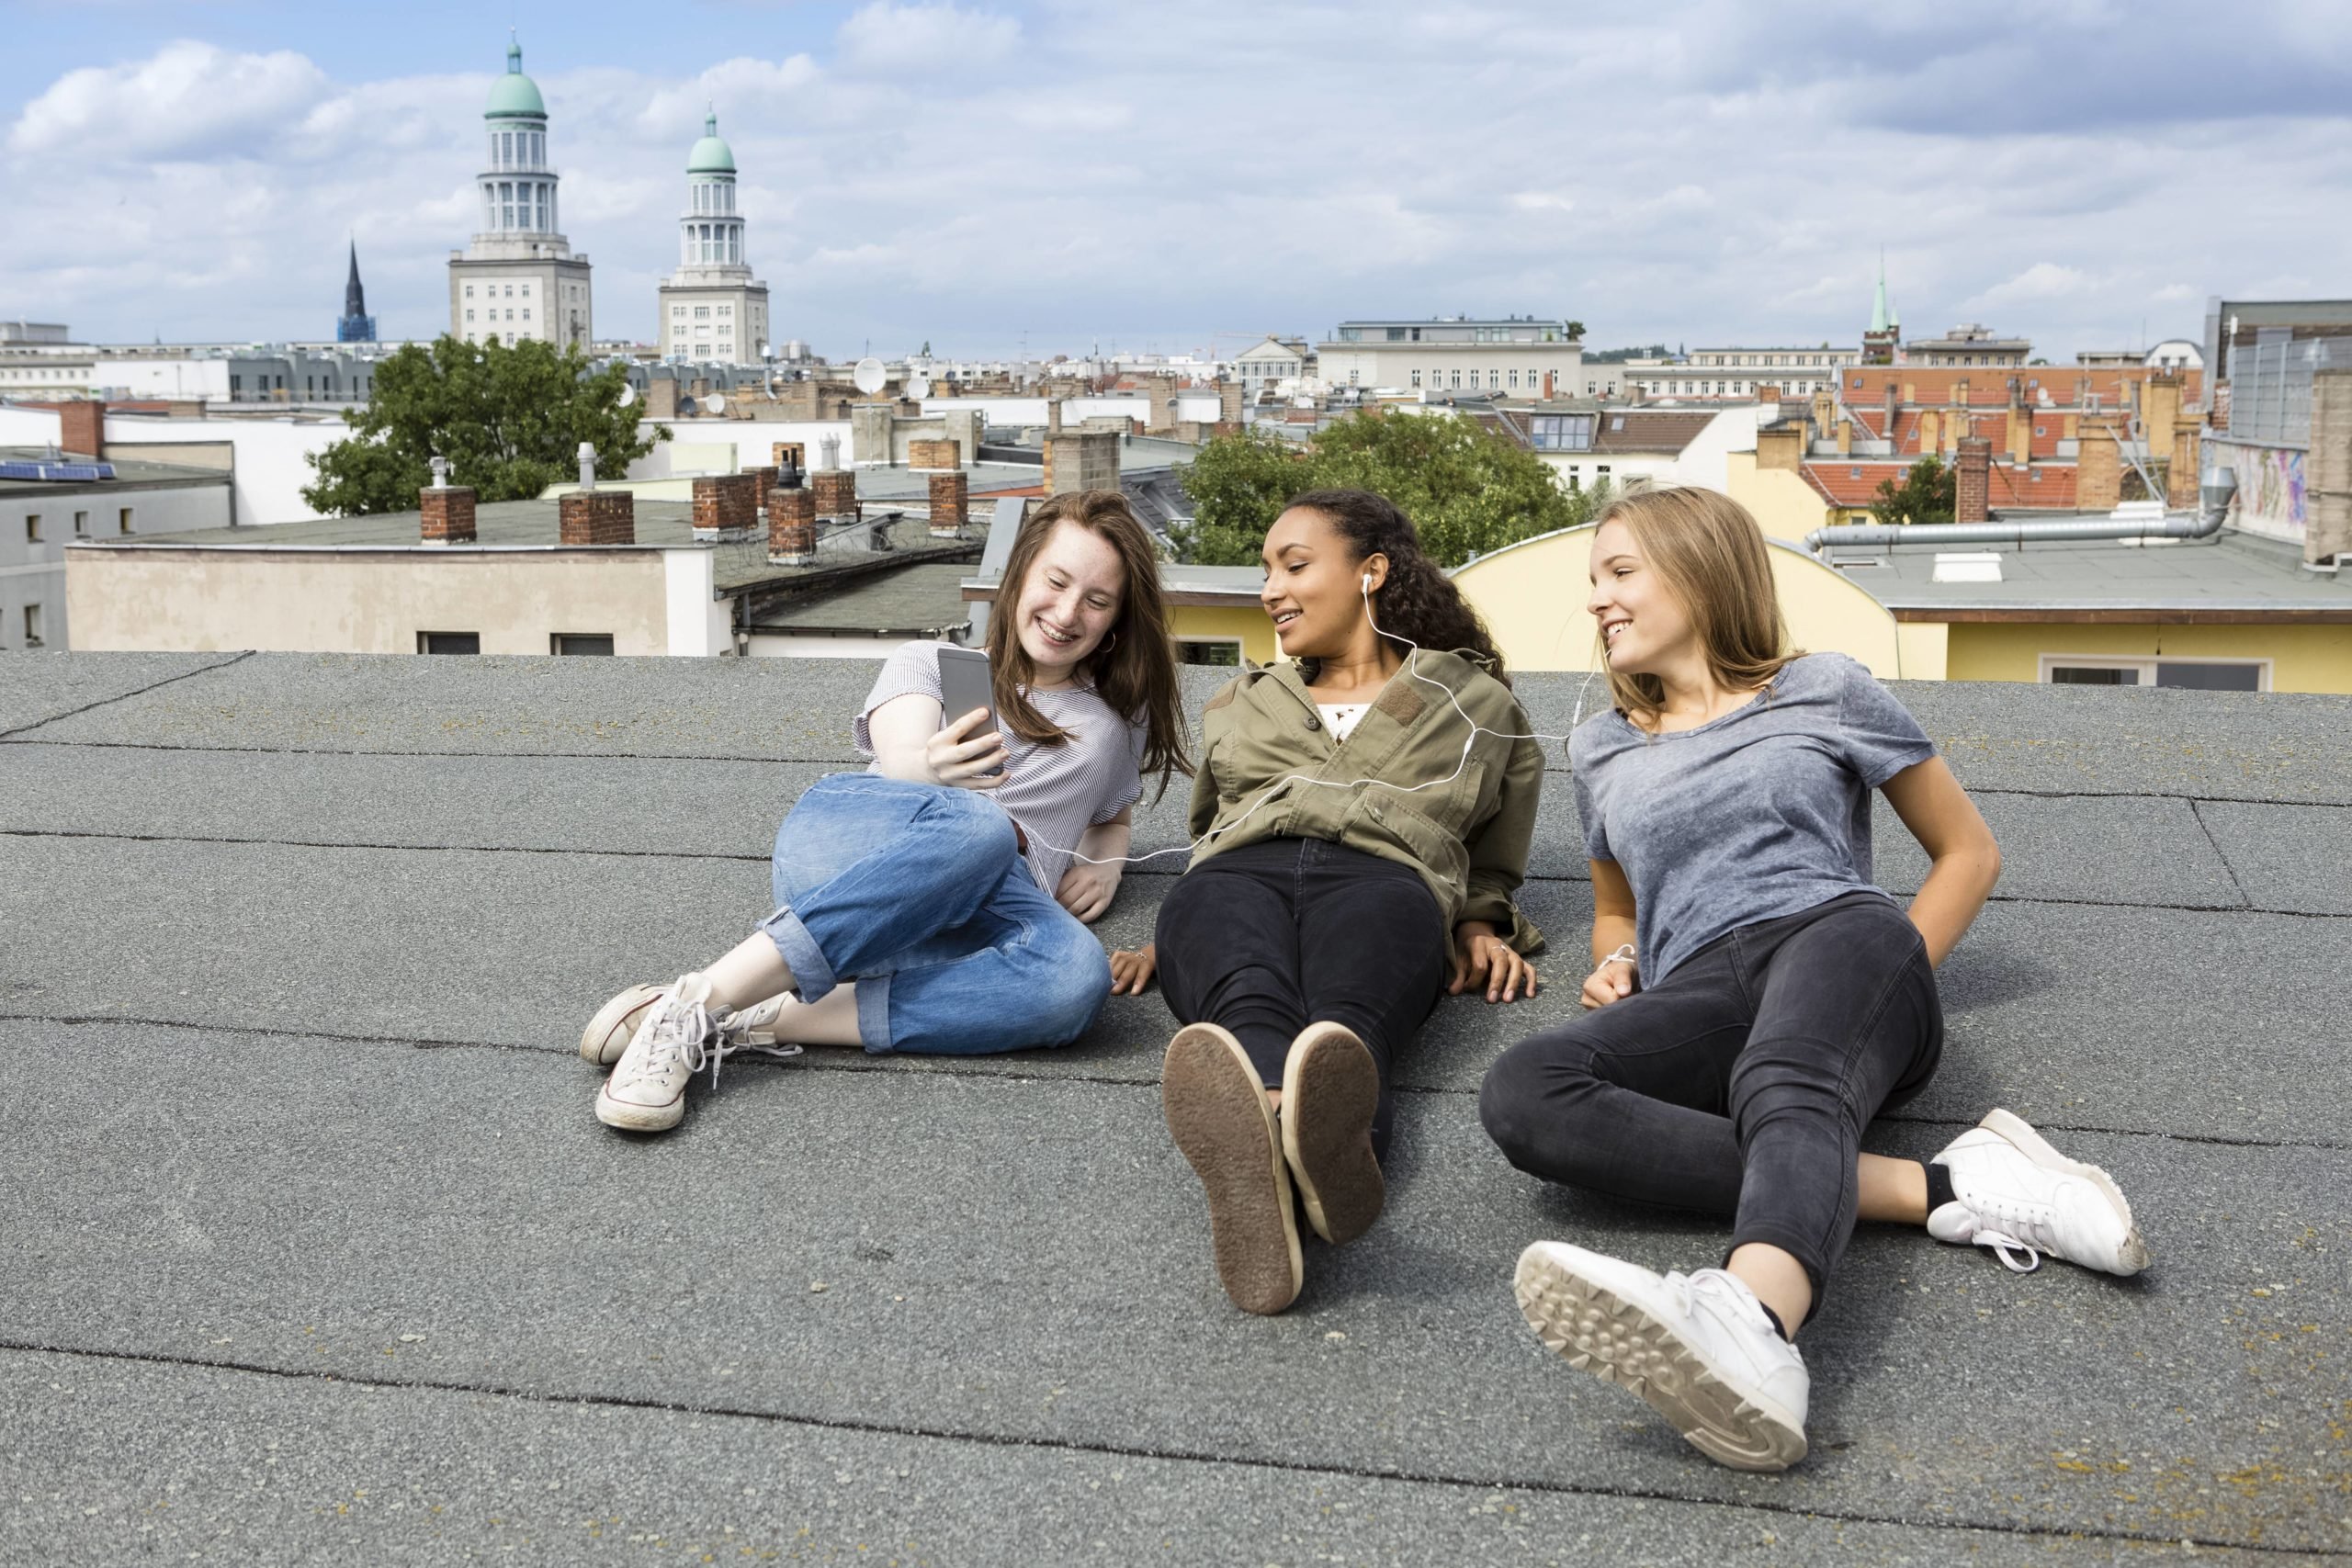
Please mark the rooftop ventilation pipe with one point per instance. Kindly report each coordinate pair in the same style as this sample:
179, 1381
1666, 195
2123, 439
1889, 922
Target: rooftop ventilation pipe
2213, 491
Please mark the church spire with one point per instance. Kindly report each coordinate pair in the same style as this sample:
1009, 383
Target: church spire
357, 325
1880, 321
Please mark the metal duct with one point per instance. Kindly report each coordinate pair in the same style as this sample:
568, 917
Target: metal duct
2218, 485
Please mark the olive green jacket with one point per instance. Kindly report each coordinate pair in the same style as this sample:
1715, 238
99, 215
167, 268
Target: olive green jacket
1468, 837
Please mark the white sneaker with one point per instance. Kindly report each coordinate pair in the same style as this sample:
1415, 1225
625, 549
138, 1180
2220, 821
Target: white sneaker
2015, 1194
678, 1033
1699, 1348
616, 1025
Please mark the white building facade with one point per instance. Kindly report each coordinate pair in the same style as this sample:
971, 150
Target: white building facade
1276, 364
1721, 374
712, 310
519, 281
1515, 354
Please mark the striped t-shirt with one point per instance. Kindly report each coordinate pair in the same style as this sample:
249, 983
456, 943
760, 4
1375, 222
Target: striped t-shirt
1055, 792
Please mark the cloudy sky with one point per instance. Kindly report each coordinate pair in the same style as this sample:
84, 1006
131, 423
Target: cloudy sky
1183, 175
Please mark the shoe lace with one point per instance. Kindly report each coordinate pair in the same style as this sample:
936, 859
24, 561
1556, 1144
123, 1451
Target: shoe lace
2017, 1230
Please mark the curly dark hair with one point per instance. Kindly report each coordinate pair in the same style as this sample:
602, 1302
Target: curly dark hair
1418, 601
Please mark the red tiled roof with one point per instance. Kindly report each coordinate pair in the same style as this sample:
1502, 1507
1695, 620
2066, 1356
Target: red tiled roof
2045, 487
1989, 385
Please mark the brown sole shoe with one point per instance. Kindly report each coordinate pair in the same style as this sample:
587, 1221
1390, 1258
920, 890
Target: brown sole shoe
1217, 1113
1331, 1090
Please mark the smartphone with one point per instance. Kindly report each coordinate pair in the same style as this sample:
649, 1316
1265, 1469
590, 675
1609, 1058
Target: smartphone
964, 685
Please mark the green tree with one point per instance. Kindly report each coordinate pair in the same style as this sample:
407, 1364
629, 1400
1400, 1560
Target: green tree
510, 420
1467, 490
1929, 493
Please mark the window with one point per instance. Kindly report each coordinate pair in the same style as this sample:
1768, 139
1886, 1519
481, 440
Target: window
81, 524
1457, 380
1514, 380
1417, 378
470, 290
2186, 674
1561, 432
1494, 380
727, 310
122, 521
32, 527
702, 313
578, 643
470, 313
448, 642
677, 311
526, 291
32, 626
526, 313
1202, 650
510, 292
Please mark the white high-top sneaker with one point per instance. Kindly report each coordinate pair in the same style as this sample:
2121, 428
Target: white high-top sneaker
1699, 1348
2015, 1194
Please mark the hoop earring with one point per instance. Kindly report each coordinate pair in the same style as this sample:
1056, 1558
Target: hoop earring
1113, 645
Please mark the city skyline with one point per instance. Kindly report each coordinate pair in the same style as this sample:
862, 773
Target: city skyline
989, 177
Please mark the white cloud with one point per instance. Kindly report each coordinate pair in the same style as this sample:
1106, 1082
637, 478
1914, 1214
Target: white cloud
2042, 281
883, 35
189, 99
972, 173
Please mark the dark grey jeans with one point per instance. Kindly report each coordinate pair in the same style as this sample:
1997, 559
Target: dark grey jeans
1740, 1083
1271, 937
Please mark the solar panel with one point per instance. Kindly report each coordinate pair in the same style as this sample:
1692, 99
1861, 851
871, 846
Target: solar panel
18, 469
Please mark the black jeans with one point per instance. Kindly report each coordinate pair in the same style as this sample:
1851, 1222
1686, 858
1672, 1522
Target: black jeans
1273, 936
1740, 1083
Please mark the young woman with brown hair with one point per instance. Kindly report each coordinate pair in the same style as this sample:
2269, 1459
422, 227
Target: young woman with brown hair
1755, 1000
938, 901
1363, 816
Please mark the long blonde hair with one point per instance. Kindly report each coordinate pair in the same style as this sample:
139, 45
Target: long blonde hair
1710, 553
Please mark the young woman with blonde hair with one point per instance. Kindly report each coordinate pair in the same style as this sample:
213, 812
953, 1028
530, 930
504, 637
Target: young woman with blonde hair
937, 903
1755, 1000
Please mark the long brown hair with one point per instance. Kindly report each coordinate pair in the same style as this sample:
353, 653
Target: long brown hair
1134, 668
1710, 553
1418, 599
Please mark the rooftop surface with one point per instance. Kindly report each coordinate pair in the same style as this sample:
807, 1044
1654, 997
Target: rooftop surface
537, 525
318, 1256
130, 473
2232, 572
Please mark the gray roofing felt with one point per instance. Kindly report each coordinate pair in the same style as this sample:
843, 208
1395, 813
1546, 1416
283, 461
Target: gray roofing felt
318, 1257
2233, 570
535, 523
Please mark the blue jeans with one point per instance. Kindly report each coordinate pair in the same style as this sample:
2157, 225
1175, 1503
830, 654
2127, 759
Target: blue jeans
918, 893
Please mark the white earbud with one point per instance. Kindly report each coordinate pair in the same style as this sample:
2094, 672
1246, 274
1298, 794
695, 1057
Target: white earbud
1367, 582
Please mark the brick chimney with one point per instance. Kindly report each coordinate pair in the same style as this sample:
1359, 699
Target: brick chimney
727, 506
446, 510
1780, 446
2098, 468
934, 455
792, 526
836, 491
596, 518
951, 496
1973, 481
81, 429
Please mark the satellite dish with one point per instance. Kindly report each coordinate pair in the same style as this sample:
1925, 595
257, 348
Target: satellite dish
870, 376
919, 387
628, 395
714, 403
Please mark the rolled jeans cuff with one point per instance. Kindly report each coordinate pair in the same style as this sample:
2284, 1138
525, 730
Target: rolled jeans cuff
874, 1014
811, 976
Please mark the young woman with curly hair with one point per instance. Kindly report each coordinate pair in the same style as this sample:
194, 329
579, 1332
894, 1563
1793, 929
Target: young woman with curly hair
933, 904
1362, 815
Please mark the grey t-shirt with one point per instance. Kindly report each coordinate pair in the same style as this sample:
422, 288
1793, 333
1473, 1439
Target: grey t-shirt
1055, 793
1761, 813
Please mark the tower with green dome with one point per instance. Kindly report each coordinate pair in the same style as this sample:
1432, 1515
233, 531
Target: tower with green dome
519, 279
712, 308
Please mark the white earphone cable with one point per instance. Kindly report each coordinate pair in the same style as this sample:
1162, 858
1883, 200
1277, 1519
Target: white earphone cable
1461, 763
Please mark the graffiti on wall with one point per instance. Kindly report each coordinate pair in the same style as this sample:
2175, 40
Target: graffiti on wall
2270, 487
